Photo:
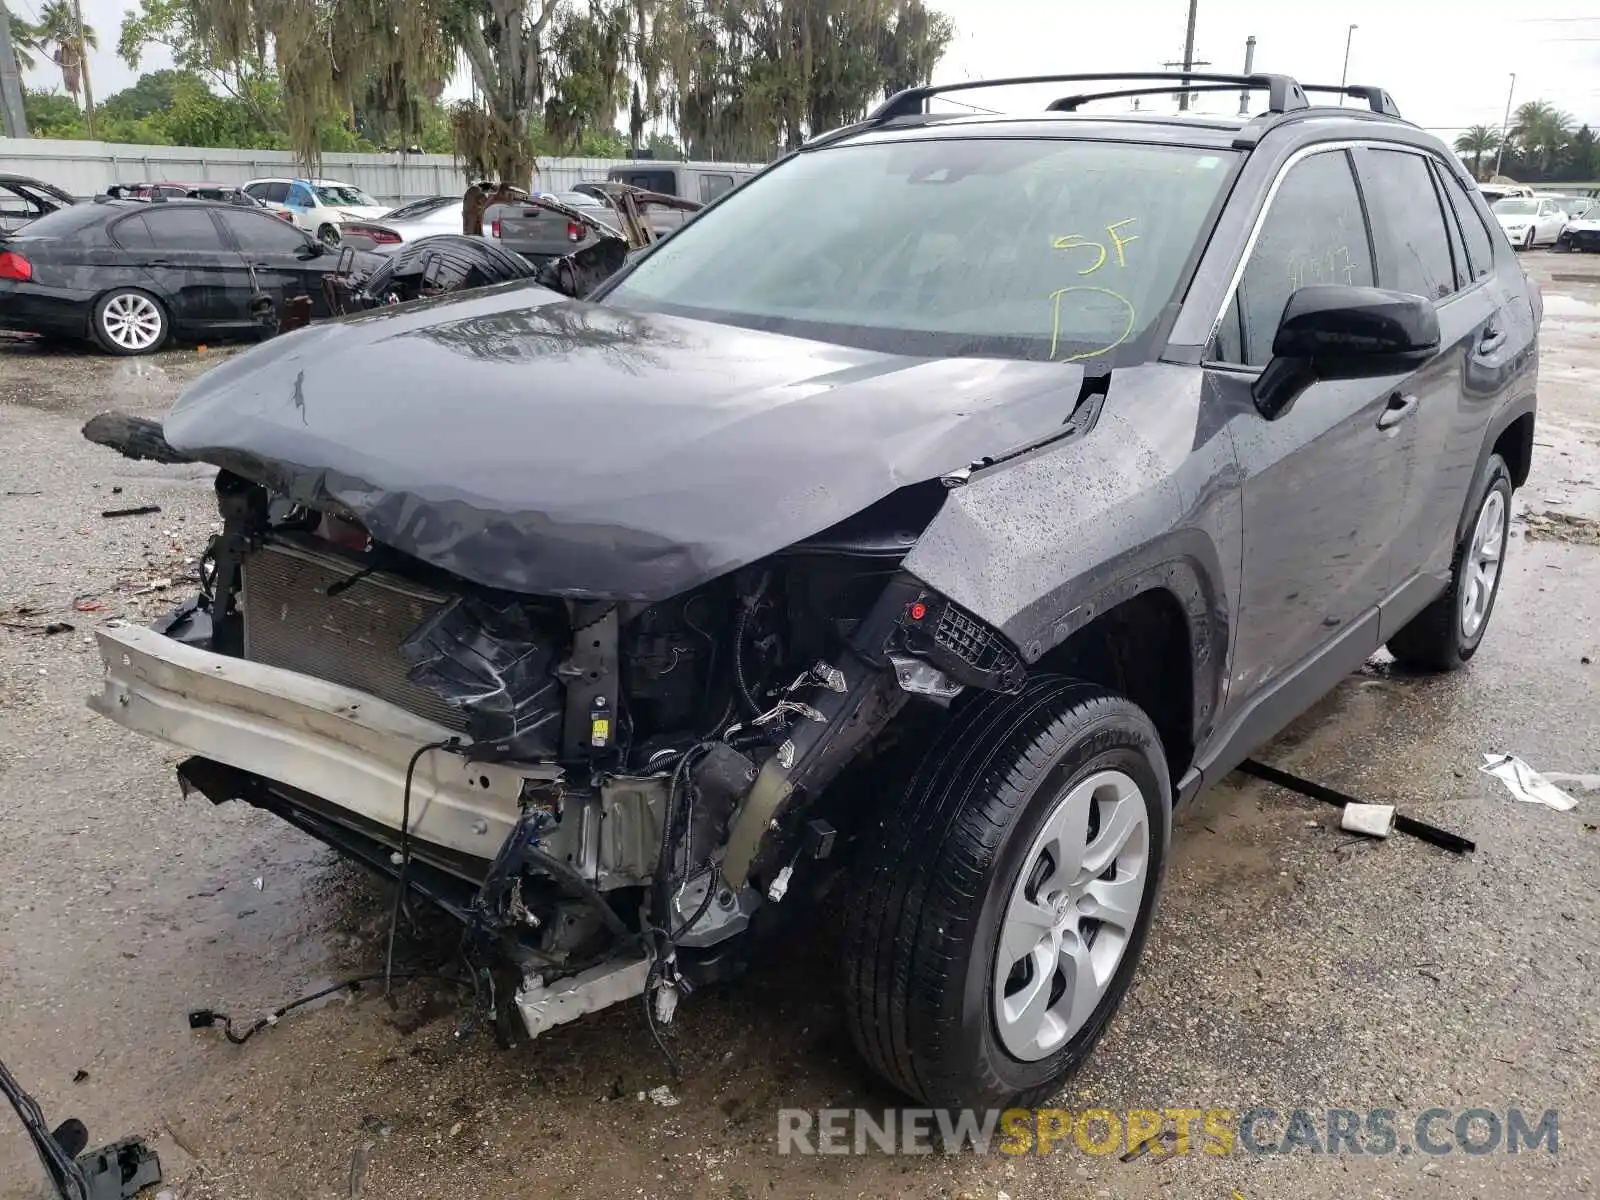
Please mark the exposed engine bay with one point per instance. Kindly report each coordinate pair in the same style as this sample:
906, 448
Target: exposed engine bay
657, 765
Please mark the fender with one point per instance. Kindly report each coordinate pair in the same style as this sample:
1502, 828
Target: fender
1147, 496
1524, 405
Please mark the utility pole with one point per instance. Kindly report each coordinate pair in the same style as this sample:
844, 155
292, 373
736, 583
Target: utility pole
1249, 65
1344, 75
83, 67
1505, 124
11, 110
1188, 54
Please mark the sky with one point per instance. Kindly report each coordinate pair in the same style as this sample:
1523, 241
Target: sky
1447, 63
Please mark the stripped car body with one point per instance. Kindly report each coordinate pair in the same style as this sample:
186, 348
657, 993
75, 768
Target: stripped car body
614, 618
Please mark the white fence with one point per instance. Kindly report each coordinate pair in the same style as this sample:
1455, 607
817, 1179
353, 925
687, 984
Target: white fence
86, 168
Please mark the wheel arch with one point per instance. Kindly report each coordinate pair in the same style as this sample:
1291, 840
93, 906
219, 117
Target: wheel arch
1510, 435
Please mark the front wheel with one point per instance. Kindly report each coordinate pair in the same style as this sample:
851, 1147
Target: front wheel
328, 235
1443, 636
1000, 910
1527, 241
127, 321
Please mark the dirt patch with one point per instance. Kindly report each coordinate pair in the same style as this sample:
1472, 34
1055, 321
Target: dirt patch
1562, 527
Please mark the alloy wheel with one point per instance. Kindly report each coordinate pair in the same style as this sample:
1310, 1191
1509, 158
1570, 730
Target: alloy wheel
1071, 915
132, 321
1482, 563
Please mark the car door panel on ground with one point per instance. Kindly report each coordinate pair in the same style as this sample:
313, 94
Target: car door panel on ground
203, 282
286, 262
1324, 482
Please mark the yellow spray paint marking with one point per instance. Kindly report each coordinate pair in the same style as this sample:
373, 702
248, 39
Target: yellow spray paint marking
1074, 241
1122, 241
1055, 320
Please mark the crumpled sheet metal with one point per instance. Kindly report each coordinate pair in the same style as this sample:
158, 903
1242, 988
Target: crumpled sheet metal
549, 446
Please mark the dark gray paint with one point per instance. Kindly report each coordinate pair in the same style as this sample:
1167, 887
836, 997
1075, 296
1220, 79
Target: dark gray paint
545, 445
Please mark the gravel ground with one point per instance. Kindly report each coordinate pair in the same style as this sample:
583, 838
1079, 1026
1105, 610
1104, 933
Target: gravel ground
1289, 965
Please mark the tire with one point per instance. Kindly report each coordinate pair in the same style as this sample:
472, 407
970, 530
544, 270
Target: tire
127, 321
957, 862
1527, 242
328, 235
1446, 634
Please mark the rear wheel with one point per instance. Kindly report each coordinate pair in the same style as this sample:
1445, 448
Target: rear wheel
1447, 633
1000, 910
127, 321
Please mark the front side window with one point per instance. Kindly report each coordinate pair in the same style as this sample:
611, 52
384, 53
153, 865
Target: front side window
1023, 248
300, 197
259, 232
1407, 224
1313, 233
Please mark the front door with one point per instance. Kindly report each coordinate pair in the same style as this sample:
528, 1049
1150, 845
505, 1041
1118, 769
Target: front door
287, 263
1324, 480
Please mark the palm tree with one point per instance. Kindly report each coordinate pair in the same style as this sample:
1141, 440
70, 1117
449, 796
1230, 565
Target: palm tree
25, 43
58, 28
1542, 132
1477, 141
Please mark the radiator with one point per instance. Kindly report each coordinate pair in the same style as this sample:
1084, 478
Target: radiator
352, 639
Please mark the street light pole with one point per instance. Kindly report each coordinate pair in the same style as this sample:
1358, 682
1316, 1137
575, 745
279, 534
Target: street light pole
1505, 124
1344, 75
1249, 65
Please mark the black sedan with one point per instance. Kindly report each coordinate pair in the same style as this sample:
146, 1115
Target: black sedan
131, 274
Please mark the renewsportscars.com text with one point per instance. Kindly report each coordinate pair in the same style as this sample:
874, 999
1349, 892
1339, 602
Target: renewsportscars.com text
1213, 1131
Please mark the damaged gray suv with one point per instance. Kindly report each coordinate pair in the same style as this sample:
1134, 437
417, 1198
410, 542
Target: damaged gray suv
919, 524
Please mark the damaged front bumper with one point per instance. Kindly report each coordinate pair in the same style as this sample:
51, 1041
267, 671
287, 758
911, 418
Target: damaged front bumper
317, 738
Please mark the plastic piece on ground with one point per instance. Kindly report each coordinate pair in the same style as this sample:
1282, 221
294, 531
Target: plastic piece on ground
1526, 784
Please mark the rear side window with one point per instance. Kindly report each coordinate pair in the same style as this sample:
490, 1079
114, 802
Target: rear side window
1313, 233
275, 193
1407, 224
712, 186
174, 227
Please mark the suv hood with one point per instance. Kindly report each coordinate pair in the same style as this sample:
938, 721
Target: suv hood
544, 445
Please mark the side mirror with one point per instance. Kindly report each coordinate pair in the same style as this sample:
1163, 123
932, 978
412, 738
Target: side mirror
1335, 331
311, 249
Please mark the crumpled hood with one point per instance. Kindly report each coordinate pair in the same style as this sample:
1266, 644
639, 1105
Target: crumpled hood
544, 445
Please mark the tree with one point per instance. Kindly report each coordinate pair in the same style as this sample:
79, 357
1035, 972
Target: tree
1476, 142
58, 28
25, 44
1542, 133
52, 115
1585, 162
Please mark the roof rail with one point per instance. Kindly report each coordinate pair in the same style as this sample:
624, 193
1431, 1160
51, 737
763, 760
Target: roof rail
1283, 93
1378, 100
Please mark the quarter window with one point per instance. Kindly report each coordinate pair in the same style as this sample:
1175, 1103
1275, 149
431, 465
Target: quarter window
1314, 233
1480, 251
1407, 225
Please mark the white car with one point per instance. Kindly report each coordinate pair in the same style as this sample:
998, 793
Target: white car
1529, 222
319, 206
416, 219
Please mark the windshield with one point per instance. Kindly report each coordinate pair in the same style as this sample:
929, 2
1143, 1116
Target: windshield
1515, 207
1050, 250
344, 193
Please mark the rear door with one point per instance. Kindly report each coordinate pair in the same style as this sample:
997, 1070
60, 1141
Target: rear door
180, 248
1421, 249
287, 263
1323, 481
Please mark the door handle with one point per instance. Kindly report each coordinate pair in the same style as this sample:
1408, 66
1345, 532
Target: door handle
157, 262
1400, 407
1491, 339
